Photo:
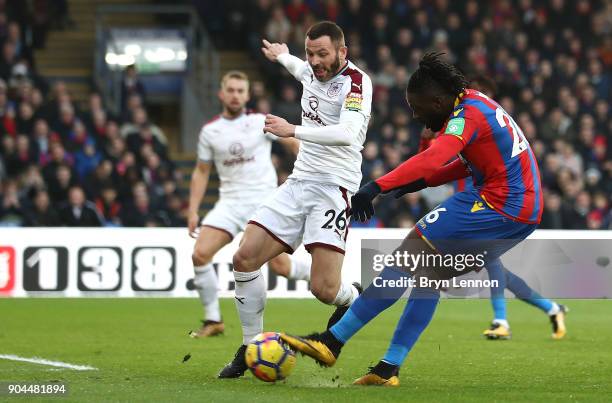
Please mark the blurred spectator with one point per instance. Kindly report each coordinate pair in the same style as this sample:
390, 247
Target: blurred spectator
78, 211
286, 105
11, 212
60, 184
131, 85
140, 211
108, 206
42, 214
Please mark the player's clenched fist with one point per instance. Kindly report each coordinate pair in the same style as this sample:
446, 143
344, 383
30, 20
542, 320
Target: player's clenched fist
273, 50
362, 208
278, 126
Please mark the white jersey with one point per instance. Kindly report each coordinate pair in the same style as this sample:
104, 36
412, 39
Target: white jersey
240, 151
346, 95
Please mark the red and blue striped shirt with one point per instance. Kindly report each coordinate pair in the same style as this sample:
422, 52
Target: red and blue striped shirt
504, 168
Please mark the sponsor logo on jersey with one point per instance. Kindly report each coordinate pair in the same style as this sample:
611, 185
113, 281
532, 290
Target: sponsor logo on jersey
236, 149
334, 89
313, 116
455, 127
238, 161
353, 101
458, 111
477, 206
313, 103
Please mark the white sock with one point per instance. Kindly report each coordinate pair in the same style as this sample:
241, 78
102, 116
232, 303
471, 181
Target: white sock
206, 281
502, 322
346, 295
554, 310
250, 302
300, 269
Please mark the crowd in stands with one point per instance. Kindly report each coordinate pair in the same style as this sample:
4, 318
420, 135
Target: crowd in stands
550, 61
65, 164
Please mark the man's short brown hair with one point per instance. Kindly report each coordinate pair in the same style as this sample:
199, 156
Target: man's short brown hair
237, 74
327, 28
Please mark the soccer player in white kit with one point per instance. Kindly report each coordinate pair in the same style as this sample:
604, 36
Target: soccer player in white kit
312, 206
236, 144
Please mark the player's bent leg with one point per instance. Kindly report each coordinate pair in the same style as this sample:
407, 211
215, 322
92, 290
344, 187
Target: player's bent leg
256, 248
208, 243
291, 267
326, 281
281, 265
556, 312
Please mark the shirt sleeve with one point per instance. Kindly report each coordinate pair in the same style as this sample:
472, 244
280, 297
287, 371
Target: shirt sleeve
422, 165
448, 173
343, 134
359, 96
294, 65
461, 125
205, 150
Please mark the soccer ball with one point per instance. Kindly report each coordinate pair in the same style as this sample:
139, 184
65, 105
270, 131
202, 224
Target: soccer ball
269, 358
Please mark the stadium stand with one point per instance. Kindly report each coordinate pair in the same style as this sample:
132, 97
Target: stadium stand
66, 160
550, 60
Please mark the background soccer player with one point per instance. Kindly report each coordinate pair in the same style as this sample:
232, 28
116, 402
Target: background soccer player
313, 204
234, 142
507, 191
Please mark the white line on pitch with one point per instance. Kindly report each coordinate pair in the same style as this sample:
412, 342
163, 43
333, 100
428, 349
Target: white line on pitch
42, 361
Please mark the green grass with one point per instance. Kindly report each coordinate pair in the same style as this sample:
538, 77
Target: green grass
138, 346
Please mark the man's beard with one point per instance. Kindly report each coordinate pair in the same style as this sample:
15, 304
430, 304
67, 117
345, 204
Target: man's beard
333, 69
234, 111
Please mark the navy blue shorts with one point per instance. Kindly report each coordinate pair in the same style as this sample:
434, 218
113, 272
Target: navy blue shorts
465, 224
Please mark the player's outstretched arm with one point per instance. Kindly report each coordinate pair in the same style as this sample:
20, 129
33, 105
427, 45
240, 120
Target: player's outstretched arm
448, 173
422, 165
341, 134
197, 188
415, 170
279, 52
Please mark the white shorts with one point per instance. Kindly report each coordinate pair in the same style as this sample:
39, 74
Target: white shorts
305, 211
231, 215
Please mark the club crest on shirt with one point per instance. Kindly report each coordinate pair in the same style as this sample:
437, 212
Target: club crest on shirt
236, 149
334, 89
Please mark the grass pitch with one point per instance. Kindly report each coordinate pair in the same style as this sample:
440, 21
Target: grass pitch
138, 346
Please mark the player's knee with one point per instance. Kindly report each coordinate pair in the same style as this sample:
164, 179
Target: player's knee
201, 257
243, 261
324, 292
